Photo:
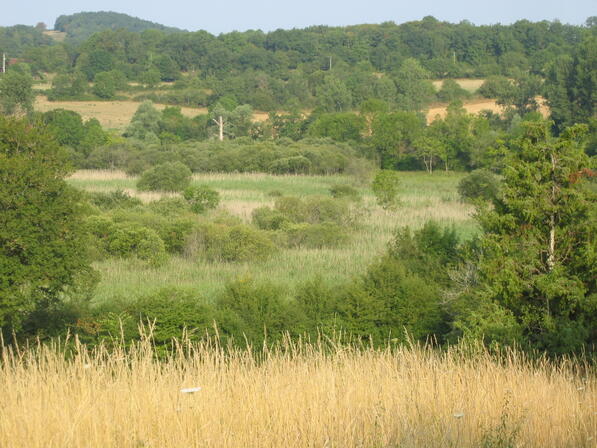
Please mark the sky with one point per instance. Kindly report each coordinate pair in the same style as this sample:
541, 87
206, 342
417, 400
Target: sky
221, 16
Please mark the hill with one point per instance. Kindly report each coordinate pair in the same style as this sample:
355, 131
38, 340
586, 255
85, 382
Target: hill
81, 25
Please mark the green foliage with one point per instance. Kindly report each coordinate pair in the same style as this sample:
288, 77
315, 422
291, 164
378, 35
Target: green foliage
385, 187
113, 199
415, 91
169, 176
339, 126
495, 87
339, 191
16, 93
570, 85
333, 95
201, 198
42, 241
538, 252
68, 87
105, 84
129, 239
290, 165
267, 219
81, 25
480, 184
145, 124
256, 312
452, 91
315, 236
237, 243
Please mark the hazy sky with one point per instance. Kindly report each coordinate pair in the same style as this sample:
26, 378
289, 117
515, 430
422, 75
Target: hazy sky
219, 16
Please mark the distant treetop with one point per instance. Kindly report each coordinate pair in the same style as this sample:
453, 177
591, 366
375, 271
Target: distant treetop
81, 25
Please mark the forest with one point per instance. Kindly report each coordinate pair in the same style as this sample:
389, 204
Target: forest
416, 198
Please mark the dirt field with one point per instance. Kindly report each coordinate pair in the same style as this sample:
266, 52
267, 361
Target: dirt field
111, 114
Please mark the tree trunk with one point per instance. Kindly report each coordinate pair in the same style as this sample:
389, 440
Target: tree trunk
551, 251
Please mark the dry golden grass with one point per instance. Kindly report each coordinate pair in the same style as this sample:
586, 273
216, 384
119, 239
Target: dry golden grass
111, 114
58, 36
472, 85
295, 396
476, 106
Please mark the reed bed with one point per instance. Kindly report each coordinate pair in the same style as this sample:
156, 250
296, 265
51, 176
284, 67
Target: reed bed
294, 395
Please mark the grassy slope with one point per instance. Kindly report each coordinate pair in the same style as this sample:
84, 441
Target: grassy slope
424, 197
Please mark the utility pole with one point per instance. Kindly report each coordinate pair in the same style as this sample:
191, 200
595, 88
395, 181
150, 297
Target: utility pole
3, 62
330, 64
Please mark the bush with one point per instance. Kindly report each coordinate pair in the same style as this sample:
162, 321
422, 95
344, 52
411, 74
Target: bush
201, 198
113, 199
315, 236
345, 191
292, 208
479, 185
320, 209
250, 311
290, 165
267, 219
385, 188
169, 176
239, 243
132, 240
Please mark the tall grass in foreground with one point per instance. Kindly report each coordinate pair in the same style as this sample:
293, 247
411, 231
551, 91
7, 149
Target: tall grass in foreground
299, 395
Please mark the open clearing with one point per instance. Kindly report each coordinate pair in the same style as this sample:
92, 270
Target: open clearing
424, 197
476, 106
111, 114
471, 85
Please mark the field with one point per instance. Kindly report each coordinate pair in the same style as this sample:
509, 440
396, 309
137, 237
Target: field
472, 85
424, 197
111, 114
300, 395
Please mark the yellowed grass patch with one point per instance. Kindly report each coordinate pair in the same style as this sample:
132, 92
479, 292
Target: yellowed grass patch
297, 397
476, 106
111, 114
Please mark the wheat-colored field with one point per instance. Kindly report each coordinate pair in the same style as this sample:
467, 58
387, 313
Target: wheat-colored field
297, 395
476, 106
472, 85
111, 114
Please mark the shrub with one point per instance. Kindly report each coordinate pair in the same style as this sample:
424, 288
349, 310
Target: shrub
479, 185
315, 236
113, 199
345, 191
169, 207
132, 240
292, 208
320, 209
201, 198
385, 188
290, 165
169, 176
267, 219
239, 243
250, 311
174, 313
246, 244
